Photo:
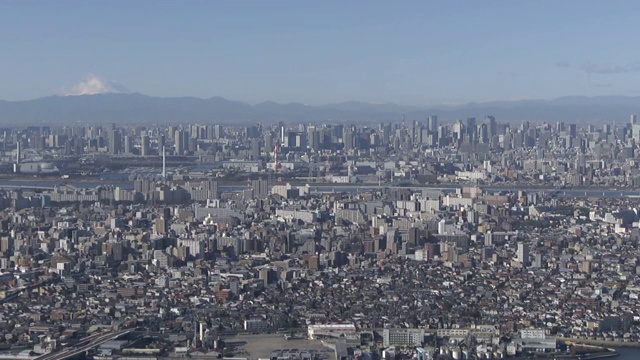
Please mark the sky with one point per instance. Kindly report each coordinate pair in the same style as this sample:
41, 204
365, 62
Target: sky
321, 52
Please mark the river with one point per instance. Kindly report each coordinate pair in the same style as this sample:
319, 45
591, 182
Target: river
628, 354
348, 188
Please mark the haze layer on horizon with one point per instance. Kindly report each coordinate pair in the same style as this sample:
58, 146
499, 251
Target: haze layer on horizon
413, 53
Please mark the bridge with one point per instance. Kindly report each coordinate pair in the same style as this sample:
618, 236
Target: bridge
14, 293
26, 187
84, 345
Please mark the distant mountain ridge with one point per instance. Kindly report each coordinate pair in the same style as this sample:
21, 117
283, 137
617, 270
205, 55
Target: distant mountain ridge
136, 108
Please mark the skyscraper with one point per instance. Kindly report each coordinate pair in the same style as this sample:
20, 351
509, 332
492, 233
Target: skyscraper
128, 144
260, 188
218, 131
144, 145
348, 138
281, 130
115, 141
432, 123
179, 142
523, 253
492, 126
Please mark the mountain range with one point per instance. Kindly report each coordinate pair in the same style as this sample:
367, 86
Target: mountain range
141, 109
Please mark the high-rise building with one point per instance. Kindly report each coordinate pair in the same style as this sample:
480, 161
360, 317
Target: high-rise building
161, 144
492, 125
523, 253
260, 188
268, 140
348, 138
178, 140
218, 131
128, 144
144, 145
385, 129
115, 141
281, 131
313, 138
161, 225
432, 123
212, 188
256, 150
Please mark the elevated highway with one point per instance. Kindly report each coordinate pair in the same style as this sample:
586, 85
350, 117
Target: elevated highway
83, 346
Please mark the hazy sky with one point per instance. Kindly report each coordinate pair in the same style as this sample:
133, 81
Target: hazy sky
319, 52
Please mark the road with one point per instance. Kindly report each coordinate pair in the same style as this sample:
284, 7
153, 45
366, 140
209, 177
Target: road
93, 341
13, 293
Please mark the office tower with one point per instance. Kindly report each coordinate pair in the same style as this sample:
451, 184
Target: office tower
252, 132
635, 132
171, 130
348, 138
301, 140
256, 150
483, 133
523, 253
492, 125
91, 133
268, 140
161, 226
313, 138
456, 130
161, 144
144, 145
426, 137
415, 131
432, 123
178, 140
115, 141
260, 188
441, 139
633, 119
212, 188
537, 260
282, 132
192, 144
386, 133
470, 130
78, 146
218, 131
194, 130
289, 140
127, 144
67, 147
143, 186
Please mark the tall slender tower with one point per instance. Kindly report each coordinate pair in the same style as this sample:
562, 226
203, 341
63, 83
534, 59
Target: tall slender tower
16, 166
276, 163
164, 164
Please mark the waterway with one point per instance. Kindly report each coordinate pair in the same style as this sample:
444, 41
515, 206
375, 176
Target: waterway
628, 354
315, 188
559, 192
348, 188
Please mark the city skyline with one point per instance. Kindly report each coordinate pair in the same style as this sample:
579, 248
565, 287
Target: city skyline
415, 54
319, 180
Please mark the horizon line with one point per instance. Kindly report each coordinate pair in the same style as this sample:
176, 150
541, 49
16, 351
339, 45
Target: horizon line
373, 103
